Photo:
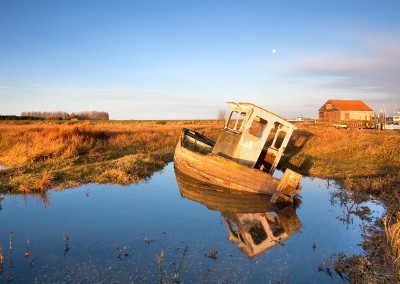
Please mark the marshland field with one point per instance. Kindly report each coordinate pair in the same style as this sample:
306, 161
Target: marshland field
38, 157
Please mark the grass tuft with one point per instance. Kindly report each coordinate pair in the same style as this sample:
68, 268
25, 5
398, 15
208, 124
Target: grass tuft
392, 230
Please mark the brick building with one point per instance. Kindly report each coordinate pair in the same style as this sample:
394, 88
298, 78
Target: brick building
345, 110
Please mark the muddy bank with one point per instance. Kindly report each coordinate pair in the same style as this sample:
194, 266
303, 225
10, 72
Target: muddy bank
381, 239
378, 265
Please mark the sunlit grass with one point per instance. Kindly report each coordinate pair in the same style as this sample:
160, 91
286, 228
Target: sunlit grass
337, 153
38, 156
392, 229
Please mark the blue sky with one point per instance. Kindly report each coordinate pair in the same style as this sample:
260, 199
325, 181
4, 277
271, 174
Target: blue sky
185, 59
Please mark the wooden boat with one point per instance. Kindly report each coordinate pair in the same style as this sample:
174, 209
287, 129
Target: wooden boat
252, 220
245, 155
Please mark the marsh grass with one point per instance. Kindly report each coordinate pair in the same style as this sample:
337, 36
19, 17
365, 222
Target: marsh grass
337, 153
392, 229
39, 156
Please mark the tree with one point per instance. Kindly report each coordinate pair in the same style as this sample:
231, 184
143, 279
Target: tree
221, 114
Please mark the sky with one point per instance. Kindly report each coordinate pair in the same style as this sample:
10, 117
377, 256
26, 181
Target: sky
185, 59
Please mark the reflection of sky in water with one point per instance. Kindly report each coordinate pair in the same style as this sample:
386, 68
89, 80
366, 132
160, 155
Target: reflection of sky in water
99, 218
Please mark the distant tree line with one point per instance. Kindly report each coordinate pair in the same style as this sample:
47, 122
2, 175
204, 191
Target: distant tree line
61, 115
16, 117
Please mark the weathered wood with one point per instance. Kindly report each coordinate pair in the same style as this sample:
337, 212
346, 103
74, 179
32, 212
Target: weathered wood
221, 171
245, 143
289, 182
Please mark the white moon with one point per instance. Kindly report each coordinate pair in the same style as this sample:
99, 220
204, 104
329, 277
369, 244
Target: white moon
274, 50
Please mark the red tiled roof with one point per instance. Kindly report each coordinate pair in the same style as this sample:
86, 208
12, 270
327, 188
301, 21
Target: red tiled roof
350, 105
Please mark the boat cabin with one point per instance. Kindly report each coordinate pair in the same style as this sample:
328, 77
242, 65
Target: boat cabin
253, 136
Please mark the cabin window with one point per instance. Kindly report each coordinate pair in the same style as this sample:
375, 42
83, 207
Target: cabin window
328, 107
257, 127
258, 233
279, 139
276, 228
276, 136
232, 227
236, 120
240, 120
232, 120
271, 135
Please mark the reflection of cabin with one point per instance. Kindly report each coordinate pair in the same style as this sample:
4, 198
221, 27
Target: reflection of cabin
255, 233
345, 110
253, 136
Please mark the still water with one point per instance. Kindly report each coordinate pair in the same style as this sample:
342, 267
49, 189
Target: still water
127, 234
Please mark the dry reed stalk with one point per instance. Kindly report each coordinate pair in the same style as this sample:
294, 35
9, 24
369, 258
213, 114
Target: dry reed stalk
11, 242
160, 262
175, 276
45, 181
393, 236
1, 254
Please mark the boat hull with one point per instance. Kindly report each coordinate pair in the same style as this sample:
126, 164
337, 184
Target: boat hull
217, 170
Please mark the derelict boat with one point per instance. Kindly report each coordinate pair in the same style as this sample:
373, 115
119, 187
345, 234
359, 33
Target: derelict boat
245, 155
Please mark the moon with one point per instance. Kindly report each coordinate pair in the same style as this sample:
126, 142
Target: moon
274, 50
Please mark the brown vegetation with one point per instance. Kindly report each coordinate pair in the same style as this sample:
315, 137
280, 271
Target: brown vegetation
43, 155
337, 153
392, 229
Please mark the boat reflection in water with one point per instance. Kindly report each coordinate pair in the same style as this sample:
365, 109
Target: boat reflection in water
253, 221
